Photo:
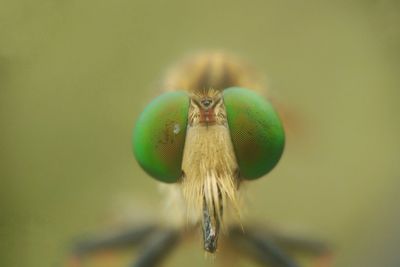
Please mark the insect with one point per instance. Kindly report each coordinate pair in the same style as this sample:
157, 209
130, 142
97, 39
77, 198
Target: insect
209, 133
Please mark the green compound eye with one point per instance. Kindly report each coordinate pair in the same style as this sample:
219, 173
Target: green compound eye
256, 131
159, 136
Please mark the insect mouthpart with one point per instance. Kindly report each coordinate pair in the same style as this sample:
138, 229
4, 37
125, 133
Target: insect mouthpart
211, 225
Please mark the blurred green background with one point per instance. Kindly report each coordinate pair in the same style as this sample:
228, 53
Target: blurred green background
74, 75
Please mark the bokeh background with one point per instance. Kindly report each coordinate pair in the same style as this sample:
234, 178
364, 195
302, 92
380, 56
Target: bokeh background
74, 75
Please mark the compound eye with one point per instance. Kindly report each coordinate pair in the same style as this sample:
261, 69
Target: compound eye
159, 136
256, 131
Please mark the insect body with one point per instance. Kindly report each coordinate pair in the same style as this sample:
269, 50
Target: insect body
226, 135
206, 135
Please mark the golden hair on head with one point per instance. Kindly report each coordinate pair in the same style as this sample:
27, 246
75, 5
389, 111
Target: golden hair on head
210, 183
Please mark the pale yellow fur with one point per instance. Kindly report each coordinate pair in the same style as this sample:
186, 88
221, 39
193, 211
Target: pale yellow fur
209, 165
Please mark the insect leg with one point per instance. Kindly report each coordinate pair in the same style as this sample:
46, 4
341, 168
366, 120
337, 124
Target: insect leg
119, 240
263, 250
309, 247
157, 248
